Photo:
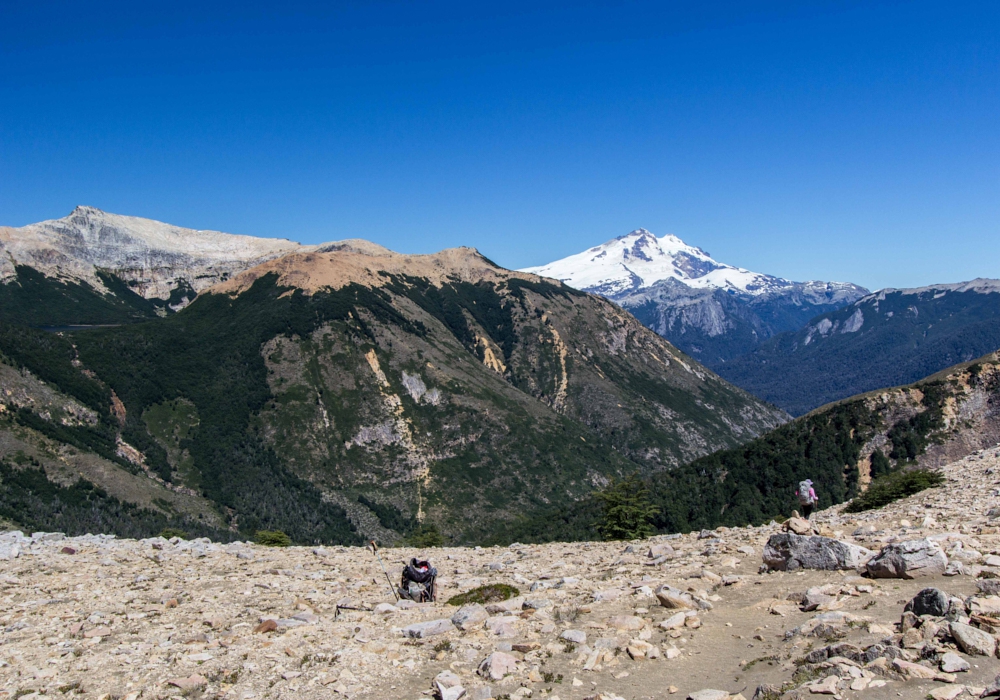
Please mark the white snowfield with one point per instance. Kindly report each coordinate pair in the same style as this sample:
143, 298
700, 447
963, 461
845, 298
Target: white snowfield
639, 260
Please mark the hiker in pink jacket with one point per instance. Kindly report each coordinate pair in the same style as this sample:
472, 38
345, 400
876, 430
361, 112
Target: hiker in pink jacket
807, 497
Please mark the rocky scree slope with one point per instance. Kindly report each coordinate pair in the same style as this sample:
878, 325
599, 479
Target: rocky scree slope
674, 616
712, 311
395, 389
110, 268
888, 338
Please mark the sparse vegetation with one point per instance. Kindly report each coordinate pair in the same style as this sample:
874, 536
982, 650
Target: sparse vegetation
491, 593
171, 532
272, 538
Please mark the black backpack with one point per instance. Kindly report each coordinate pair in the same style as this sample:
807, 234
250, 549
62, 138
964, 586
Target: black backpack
423, 575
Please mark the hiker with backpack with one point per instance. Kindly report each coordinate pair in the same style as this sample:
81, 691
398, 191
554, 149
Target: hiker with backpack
807, 497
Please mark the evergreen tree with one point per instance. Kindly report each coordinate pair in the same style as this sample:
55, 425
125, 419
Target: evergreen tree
627, 510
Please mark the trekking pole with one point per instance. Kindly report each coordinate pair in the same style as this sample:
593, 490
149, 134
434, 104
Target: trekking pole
389, 580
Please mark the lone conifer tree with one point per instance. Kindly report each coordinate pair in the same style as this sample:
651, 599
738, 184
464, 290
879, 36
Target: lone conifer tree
627, 510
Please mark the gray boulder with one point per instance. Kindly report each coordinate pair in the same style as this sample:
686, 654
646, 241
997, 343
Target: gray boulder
929, 601
972, 640
953, 663
910, 559
789, 552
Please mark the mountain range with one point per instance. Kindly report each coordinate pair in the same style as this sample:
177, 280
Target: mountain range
341, 392
712, 311
889, 338
332, 392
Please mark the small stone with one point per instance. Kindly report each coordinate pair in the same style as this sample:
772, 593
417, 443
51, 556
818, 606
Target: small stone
929, 601
574, 636
431, 628
190, 683
709, 694
827, 686
266, 626
908, 560
626, 622
913, 670
469, 616
948, 692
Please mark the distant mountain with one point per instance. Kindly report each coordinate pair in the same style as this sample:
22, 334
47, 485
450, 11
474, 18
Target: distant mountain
106, 268
712, 311
888, 338
336, 391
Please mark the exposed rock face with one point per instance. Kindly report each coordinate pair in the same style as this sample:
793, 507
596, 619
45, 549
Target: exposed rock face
910, 559
155, 258
789, 552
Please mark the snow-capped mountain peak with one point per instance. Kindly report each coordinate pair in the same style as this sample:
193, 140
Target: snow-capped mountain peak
639, 260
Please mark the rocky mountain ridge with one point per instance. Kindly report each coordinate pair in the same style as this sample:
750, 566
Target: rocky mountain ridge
156, 259
711, 310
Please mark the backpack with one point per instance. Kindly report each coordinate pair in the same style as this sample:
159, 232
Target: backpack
419, 581
803, 493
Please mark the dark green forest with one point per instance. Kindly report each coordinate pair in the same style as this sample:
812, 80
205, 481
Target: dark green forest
905, 337
755, 483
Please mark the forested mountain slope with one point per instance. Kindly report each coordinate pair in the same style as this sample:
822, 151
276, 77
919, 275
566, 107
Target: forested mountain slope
361, 384
891, 337
840, 447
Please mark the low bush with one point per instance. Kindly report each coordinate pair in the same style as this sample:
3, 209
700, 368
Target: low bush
272, 538
894, 486
491, 593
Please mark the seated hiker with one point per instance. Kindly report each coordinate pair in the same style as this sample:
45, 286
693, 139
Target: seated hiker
418, 582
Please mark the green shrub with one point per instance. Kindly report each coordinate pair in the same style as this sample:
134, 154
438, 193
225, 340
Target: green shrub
894, 486
170, 532
491, 593
272, 538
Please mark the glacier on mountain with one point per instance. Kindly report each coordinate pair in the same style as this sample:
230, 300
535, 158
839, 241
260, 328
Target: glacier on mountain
711, 310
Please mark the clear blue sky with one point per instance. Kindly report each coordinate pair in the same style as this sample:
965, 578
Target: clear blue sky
815, 140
